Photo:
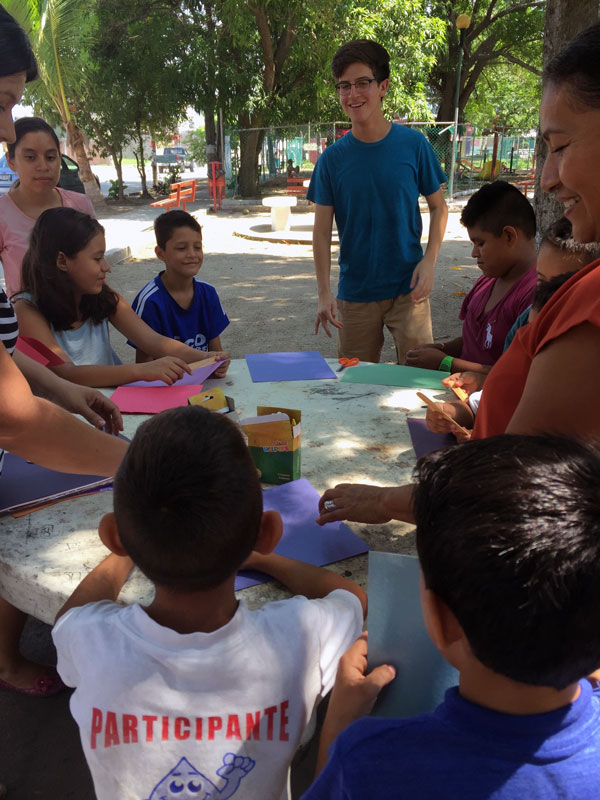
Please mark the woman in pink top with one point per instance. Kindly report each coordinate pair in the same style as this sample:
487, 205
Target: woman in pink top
35, 157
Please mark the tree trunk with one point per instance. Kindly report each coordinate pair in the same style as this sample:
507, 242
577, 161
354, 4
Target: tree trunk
211, 134
140, 160
446, 106
118, 164
564, 20
250, 145
76, 142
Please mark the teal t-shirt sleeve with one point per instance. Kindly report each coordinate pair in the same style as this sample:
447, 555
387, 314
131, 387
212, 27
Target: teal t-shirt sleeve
521, 320
320, 190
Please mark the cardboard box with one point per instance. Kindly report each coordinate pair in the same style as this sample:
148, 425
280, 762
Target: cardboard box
274, 443
215, 400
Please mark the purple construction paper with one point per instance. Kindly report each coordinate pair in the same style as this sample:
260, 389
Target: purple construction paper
298, 504
22, 483
309, 366
197, 377
425, 441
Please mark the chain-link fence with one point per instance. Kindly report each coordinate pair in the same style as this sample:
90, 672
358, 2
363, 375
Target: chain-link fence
483, 156
293, 150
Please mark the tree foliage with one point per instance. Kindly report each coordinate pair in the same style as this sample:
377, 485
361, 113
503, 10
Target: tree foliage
506, 96
134, 88
501, 32
130, 67
195, 144
59, 31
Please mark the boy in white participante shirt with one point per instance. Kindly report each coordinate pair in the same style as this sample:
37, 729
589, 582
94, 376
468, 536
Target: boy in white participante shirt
195, 696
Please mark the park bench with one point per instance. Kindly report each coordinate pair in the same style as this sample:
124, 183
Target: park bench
180, 194
528, 184
295, 185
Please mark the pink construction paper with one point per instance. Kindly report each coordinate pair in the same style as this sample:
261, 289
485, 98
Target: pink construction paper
152, 400
197, 377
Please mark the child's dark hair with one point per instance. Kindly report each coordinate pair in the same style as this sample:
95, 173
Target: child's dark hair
167, 223
577, 65
366, 52
187, 499
545, 289
62, 230
17, 55
497, 205
27, 125
560, 236
508, 536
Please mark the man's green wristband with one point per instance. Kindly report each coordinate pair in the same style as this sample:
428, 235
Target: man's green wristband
445, 364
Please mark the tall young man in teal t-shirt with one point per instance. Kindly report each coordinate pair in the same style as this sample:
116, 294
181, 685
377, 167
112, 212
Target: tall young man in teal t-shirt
371, 180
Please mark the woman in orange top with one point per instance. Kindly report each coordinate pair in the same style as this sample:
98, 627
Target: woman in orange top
547, 381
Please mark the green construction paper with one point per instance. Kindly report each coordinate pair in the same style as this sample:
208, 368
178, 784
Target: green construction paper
395, 375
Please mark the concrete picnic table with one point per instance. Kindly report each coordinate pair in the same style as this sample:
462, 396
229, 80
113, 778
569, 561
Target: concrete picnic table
351, 433
280, 211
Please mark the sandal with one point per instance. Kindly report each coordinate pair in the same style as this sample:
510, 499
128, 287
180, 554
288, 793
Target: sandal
46, 684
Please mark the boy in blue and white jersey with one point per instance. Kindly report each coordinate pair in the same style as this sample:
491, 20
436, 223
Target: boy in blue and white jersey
176, 303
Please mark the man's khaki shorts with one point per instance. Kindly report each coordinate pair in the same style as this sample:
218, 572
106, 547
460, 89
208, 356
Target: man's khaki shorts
362, 334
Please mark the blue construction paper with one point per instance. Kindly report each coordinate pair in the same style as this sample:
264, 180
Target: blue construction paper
309, 366
298, 504
425, 441
23, 484
397, 636
197, 378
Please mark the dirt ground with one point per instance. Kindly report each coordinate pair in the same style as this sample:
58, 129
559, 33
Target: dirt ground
269, 293
269, 290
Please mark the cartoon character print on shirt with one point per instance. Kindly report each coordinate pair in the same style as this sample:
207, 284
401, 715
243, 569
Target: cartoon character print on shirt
185, 782
488, 337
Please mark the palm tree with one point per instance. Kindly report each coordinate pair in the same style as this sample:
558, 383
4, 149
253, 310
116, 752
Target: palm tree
59, 31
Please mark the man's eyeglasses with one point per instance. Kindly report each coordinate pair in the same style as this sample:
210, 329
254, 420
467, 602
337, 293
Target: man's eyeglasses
362, 84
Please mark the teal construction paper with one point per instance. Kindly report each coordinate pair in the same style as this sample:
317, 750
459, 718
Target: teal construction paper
395, 375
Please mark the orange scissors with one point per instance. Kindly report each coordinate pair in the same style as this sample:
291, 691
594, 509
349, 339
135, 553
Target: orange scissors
347, 362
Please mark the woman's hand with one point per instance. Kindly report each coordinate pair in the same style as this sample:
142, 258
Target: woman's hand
167, 369
91, 405
469, 381
460, 412
353, 501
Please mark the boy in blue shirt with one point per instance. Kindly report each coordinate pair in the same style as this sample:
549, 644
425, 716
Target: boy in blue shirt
175, 303
195, 694
508, 537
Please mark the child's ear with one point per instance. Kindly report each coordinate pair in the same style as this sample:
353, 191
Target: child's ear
271, 528
61, 261
109, 535
510, 234
442, 626
160, 253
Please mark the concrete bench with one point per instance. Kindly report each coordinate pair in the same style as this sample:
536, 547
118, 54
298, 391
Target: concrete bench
280, 211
